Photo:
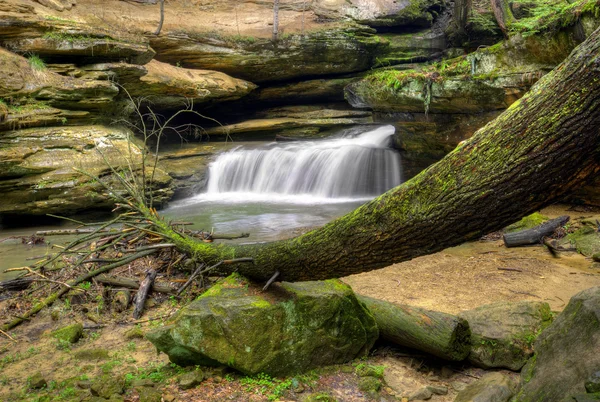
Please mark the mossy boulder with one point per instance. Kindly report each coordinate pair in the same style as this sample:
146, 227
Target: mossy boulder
70, 333
300, 327
106, 386
528, 222
566, 353
586, 239
502, 334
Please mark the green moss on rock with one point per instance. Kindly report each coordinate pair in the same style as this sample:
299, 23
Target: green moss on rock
310, 324
528, 222
70, 333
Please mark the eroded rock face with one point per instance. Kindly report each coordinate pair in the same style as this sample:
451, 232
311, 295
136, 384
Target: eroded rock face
334, 51
502, 334
307, 325
380, 13
566, 353
38, 168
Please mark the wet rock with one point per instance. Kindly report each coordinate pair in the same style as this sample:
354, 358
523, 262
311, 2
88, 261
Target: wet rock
70, 333
107, 385
37, 381
91, 354
493, 387
502, 334
191, 379
565, 352
422, 394
313, 324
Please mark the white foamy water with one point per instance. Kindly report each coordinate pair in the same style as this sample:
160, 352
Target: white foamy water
349, 168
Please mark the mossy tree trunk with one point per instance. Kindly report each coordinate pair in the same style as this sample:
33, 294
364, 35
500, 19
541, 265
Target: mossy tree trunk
440, 334
503, 14
536, 151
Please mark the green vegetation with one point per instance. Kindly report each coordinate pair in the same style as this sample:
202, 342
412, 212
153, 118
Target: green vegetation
36, 63
553, 15
436, 72
274, 388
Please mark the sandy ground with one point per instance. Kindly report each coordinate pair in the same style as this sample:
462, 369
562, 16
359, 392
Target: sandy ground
467, 276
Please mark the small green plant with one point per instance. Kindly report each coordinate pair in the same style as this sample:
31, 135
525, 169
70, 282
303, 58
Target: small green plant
36, 63
85, 285
63, 344
94, 335
131, 346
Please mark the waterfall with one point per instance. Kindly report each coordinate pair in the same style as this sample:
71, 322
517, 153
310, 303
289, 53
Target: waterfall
350, 166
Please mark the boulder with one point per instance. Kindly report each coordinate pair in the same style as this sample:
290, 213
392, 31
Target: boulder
502, 334
586, 238
292, 328
70, 333
492, 387
167, 86
566, 353
107, 385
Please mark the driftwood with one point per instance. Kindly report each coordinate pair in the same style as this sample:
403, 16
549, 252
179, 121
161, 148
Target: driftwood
534, 235
131, 283
440, 334
142, 294
16, 284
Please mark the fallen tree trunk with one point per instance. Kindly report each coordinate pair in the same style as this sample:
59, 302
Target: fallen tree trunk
440, 334
537, 150
534, 235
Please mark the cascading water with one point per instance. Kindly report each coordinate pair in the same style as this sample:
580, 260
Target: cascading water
348, 167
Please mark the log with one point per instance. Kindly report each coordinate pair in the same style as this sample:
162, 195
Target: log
132, 284
534, 235
15, 284
440, 334
142, 294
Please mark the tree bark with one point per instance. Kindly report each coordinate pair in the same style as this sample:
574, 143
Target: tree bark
440, 334
503, 14
537, 150
275, 20
142, 294
460, 17
162, 17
